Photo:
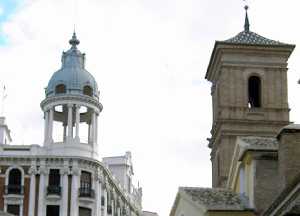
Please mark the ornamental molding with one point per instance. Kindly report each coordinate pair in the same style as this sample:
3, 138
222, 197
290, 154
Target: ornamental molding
33, 170
70, 99
77, 163
13, 199
43, 170
65, 171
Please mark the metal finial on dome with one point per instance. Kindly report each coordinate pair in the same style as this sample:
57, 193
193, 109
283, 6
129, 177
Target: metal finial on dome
74, 41
247, 24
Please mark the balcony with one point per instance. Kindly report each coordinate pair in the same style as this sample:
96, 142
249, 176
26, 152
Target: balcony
54, 190
86, 192
14, 189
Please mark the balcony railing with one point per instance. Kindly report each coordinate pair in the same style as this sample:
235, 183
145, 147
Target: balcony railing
86, 192
14, 189
53, 190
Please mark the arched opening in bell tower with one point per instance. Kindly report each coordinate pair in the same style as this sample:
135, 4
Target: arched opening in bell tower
254, 92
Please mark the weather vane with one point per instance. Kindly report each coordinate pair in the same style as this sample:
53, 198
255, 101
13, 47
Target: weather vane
4, 95
247, 24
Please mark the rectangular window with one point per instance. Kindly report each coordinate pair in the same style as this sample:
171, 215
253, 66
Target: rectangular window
85, 180
13, 209
85, 211
52, 210
54, 177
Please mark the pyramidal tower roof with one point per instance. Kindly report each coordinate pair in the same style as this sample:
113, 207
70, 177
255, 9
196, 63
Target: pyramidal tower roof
248, 37
247, 40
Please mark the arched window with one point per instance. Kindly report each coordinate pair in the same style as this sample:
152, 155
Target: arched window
254, 92
87, 90
60, 89
14, 182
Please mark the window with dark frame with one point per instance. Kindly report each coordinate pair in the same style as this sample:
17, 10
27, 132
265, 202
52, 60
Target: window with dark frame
13, 209
54, 177
52, 210
60, 89
86, 180
254, 92
85, 211
14, 182
87, 90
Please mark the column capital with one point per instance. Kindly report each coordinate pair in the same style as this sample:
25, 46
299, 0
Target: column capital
77, 106
43, 171
99, 175
65, 171
32, 170
75, 171
69, 105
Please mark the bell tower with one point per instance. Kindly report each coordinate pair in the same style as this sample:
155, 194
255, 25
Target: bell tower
249, 93
72, 104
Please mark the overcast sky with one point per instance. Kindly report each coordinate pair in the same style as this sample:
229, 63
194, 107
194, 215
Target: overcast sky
149, 58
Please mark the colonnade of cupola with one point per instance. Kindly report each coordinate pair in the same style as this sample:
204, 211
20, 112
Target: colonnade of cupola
70, 118
71, 107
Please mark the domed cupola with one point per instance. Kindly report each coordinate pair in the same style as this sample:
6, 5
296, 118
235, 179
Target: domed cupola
71, 107
72, 78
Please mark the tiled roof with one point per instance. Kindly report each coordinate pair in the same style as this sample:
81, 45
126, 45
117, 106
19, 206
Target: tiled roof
216, 198
251, 38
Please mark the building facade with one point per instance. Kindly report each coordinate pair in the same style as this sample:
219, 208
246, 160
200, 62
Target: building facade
255, 150
65, 177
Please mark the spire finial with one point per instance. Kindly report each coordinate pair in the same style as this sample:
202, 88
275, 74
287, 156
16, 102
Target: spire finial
247, 24
74, 41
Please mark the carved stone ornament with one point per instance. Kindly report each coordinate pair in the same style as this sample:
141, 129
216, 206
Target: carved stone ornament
75, 171
33, 170
99, 176
65, 171
43, 170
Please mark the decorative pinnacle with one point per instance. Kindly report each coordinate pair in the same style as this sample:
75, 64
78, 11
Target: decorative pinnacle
247, 24
74, 41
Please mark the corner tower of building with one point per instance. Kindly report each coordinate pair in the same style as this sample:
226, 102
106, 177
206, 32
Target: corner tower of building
72, 103
249, 93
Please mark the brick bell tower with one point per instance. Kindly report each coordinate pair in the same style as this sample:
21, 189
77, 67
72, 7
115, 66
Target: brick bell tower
249, 93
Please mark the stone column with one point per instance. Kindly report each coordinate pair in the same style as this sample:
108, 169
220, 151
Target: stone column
70, 122
105, 202
46, 126
64, 197
98, 197
89, 132
42, 189
96, 129
93, 126
77, 122
32, 191
119, 207
64, 132
50, 131
112, 203
21, 209
74, 191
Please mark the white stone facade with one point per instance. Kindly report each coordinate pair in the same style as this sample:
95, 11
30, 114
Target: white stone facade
65, 177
